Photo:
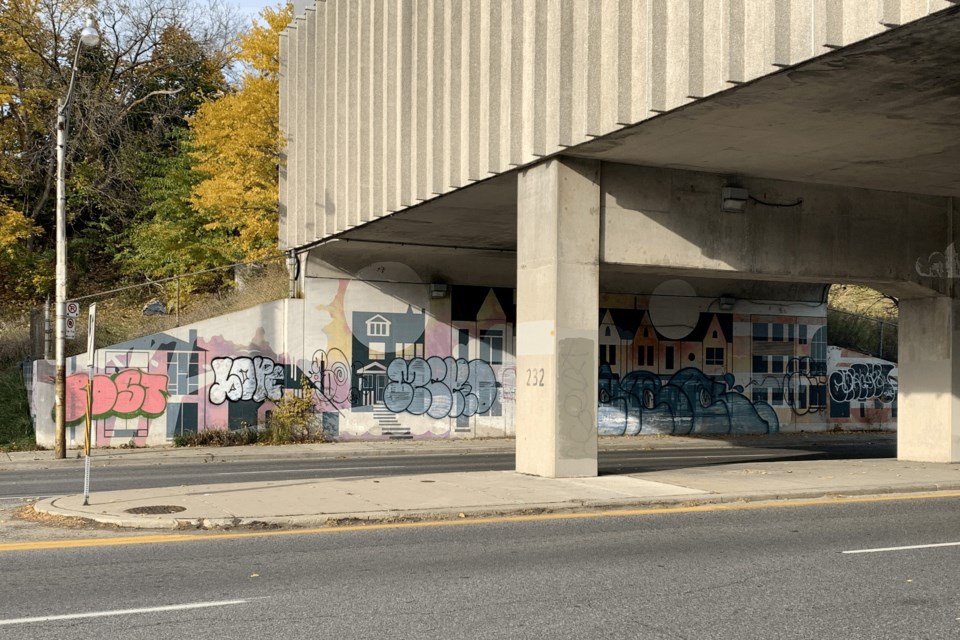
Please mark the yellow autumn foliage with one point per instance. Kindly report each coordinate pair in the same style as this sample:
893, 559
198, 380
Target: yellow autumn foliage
237, 145
14, 227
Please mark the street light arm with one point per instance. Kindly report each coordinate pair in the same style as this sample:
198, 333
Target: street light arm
90, 37
65, 104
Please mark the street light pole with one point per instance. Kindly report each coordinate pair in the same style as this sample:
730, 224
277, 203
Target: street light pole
89, 37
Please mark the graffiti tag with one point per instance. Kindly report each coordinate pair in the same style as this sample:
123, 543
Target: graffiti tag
440, 387
235, 379
330, 377
690, 402
129, 393
940, 265
864, 382
803, 374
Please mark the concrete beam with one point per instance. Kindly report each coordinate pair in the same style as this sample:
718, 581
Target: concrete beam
671, 219
558, 214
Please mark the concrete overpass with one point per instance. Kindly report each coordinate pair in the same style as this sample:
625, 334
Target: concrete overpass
565, 147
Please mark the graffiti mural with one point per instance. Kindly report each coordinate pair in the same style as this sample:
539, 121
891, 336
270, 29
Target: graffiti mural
864, 382
771, 369
245, 378
690, 402
862, 390
329, 373
391, 361
440, 387
130, 393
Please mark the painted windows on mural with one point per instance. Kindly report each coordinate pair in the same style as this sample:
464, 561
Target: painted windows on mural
378, 351
491, 346
802, 331
646, 357
408, 350
182, 371
818, 352
761, 364
378, 326
715, 355
760, 394
776, 364
776, 397
463, 344
608, 354
669, 364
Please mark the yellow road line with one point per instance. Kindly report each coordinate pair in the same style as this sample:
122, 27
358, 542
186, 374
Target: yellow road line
617, 513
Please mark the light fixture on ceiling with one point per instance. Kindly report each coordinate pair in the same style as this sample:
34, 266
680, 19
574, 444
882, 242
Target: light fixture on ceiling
734, 199
726, 302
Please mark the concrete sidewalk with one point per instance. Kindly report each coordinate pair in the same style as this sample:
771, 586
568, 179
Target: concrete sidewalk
428, 496
186, 455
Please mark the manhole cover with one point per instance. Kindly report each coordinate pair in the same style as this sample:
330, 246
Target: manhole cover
154, 510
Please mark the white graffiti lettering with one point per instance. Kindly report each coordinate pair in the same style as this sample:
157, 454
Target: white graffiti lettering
940, 265
864, 382
244, 378
440, 387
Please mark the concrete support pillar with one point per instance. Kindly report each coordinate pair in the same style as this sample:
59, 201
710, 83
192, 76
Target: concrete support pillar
558, 243
928, 418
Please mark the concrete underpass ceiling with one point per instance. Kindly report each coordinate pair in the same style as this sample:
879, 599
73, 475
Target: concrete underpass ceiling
880, 114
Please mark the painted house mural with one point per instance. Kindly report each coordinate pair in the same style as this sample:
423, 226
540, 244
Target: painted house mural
392, 360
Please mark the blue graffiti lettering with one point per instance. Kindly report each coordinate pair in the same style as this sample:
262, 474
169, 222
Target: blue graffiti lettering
690, 402
440, 387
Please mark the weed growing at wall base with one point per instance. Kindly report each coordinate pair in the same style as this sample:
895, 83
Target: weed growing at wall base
291, 422
291, 419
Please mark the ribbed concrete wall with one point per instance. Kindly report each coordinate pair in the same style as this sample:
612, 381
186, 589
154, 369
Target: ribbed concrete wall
386, 103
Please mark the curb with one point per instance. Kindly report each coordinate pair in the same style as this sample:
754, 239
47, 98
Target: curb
168, 456
48, 506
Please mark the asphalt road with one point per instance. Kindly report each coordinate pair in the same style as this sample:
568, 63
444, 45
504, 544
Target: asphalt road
69, 478
778, 572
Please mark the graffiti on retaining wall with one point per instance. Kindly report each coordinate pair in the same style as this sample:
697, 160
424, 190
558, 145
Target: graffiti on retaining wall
802, 387
440, 387
129, 393
689, 402
244, 378
862, 382
330, 376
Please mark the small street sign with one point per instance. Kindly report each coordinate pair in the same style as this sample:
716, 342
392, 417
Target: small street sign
73, 309
91, 337
71, 332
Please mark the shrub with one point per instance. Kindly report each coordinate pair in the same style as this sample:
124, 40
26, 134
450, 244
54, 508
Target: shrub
292, 418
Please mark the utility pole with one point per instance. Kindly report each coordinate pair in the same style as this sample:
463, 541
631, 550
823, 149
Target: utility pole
89, 37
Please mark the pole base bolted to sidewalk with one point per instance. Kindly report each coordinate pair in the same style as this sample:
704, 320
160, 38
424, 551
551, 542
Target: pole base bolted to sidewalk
88, 421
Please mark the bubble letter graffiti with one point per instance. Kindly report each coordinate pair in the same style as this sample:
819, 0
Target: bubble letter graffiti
440, 387
244, 378
129, 393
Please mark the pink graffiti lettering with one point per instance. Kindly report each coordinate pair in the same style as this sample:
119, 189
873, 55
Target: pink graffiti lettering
126, 394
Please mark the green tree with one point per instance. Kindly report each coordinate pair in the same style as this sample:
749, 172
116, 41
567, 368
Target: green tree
170, 236
157, 61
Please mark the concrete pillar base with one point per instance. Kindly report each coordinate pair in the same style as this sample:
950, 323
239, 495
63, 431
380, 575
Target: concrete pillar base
928, 420
558, 247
